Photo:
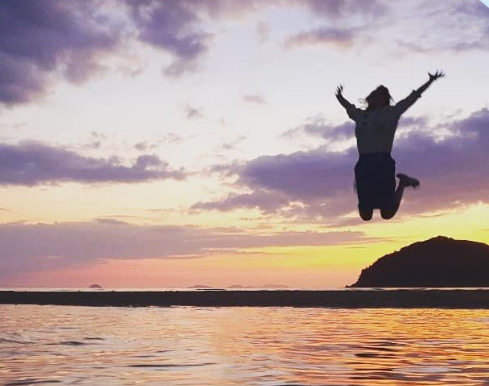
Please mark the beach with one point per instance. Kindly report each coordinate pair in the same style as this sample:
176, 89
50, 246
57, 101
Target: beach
382, 298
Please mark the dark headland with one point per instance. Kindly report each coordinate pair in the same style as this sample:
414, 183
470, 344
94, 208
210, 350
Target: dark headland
438, 262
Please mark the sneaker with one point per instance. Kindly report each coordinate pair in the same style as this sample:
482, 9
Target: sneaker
407, 181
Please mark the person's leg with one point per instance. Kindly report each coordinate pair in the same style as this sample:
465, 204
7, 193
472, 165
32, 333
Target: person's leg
388, 213
404, 181
363, 188
366, 214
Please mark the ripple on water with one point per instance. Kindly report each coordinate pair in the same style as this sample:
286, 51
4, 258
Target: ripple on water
234, 346
165, 365
31, 381
15, 341
72, 343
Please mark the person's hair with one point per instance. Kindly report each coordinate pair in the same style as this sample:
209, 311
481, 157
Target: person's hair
379, 90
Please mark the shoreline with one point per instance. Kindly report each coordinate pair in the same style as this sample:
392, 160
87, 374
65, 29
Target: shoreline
399, 298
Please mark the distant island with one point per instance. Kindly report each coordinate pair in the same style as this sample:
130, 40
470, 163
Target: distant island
266, 286
437, 262
274, 286
200, 287
95, 286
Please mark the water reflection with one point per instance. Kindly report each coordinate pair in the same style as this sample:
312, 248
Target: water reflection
234, 346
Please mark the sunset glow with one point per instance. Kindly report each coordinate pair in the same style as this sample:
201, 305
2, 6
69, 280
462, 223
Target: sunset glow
170, 144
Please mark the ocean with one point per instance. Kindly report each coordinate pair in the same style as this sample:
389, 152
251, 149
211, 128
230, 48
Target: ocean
242, 346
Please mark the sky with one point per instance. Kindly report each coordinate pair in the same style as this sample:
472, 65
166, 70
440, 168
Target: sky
156, 144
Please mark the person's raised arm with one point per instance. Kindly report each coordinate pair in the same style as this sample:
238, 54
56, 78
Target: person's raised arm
433, 77
350, 108
403, 105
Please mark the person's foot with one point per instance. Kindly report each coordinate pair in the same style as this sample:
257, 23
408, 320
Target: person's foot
406, 181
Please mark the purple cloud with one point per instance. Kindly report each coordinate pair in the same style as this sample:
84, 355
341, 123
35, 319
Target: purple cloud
264, 200
308, 185
346, 21
459, 27
318, 127
453, 171
263, 31
318, 183
34, 163
340, 37
192, 112
255, 98
301, 175
232, 144
168, 138
38, 38
41, 41
335, 8
339, 31
174, 27
95, 141
37, 247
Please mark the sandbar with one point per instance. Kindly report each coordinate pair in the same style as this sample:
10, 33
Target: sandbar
389, 298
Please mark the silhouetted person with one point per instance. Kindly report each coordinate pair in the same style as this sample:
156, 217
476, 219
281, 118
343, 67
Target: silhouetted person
375, 170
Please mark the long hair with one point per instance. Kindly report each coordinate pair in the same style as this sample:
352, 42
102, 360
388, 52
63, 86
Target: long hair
382, 90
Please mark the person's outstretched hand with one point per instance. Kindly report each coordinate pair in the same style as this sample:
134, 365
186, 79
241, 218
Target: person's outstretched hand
339, 89
436, 75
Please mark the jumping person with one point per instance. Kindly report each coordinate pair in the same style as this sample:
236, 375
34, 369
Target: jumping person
375, 170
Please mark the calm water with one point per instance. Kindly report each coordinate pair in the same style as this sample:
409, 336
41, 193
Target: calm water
235, 346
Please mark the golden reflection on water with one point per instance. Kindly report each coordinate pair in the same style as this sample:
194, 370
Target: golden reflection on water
234, 346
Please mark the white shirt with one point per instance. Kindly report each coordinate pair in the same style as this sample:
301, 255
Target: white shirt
375, 129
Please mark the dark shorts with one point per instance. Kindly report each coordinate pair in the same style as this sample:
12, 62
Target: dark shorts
376, 181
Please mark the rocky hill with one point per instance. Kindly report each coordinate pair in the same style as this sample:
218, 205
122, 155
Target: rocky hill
437, 262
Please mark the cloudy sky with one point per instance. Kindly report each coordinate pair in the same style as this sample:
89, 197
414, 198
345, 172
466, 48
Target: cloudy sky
172, 143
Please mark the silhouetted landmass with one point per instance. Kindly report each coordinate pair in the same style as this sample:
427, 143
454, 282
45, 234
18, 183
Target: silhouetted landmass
437, 262
352, 298
200, 287
96, 286
274, 286
211, 289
